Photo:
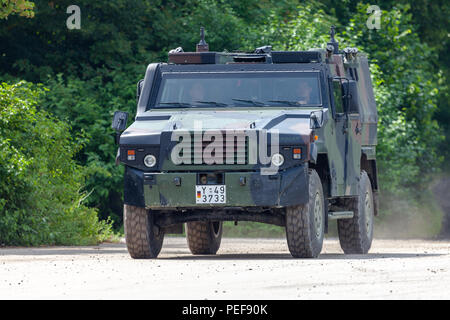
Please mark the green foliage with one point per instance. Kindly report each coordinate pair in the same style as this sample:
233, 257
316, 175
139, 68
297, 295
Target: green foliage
20, 7
89, 105
41, 197
300, 28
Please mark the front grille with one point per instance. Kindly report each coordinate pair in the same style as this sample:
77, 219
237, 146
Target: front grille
233, 149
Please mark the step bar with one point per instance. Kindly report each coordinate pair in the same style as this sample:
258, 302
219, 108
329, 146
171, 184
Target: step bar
340, 215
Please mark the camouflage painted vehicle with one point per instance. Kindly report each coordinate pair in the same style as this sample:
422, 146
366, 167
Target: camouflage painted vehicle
285, 138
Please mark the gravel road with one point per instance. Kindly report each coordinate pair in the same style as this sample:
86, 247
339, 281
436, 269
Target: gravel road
243, 269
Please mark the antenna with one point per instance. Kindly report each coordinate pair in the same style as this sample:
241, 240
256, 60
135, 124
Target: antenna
332, 33
333, 43
202, 46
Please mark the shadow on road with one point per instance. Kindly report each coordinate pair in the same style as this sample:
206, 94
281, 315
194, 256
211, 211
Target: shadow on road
178, 251
287, 256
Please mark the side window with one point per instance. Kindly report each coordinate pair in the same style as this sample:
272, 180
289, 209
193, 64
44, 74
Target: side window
337, 93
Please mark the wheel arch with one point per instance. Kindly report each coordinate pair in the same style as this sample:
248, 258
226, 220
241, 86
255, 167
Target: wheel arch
323, 170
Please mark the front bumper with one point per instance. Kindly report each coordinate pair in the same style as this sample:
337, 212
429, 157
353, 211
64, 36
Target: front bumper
159, 190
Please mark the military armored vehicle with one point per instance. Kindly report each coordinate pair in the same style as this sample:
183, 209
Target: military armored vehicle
277, 137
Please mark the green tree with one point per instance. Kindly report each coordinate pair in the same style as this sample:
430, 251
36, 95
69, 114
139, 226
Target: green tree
41, 190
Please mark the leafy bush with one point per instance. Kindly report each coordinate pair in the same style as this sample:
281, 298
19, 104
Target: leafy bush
41, 197
89, 106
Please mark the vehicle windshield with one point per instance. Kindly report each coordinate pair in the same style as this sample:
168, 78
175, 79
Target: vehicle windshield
281, 89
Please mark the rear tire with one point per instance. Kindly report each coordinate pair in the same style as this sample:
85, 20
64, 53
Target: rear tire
144, 239
305, 224
356, 234
204, 237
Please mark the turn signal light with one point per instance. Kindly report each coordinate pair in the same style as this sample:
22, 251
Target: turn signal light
131, 155
297, 153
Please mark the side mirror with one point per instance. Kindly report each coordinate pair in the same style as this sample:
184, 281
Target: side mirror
139, 86
351, 96
316, 119
119, 122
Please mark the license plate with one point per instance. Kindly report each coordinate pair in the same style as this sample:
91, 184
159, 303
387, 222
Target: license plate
210, 194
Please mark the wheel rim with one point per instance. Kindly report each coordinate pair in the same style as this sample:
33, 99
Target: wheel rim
318, 215
368, 210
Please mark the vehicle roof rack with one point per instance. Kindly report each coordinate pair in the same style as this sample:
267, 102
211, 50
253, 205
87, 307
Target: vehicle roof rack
262, 54
296, 56
249, 58
193, 57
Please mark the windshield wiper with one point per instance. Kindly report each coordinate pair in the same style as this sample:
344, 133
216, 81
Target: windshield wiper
254, 102
290, 103
178, 104
219, 104
295, 103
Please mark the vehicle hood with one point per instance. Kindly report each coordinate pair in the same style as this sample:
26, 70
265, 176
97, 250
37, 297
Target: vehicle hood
292, 125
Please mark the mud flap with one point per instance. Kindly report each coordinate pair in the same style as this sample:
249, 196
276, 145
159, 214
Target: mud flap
294, 187
133, 187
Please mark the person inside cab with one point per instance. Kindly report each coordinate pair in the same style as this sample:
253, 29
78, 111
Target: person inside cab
196, 93
304, 91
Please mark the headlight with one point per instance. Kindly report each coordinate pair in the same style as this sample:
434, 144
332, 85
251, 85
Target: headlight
150, 160
277, 160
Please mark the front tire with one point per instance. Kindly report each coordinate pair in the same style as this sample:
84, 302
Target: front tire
204, 237
305, 224
144, 239
356, 234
